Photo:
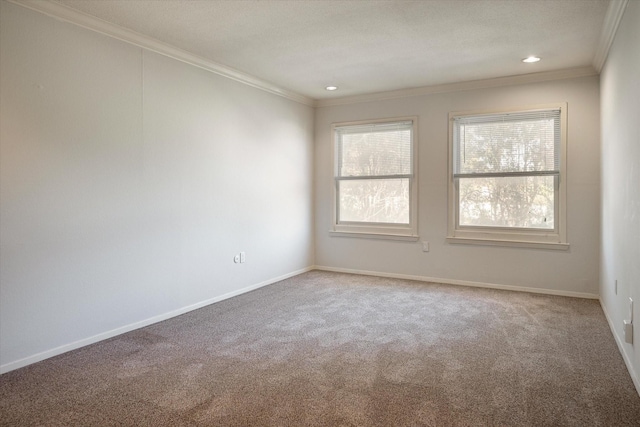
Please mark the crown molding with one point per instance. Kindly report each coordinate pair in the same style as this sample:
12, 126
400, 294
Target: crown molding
610, 27
81, 19
460, 86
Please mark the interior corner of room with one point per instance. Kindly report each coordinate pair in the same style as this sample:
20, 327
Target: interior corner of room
139, 182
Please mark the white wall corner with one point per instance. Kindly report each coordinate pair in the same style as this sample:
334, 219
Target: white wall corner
609, 28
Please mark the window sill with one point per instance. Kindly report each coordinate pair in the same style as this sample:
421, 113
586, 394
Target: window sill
371, 235
508, 243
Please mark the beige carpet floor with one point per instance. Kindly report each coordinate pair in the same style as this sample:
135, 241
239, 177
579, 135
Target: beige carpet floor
328, 349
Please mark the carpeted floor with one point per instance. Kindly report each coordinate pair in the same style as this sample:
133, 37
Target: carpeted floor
328, 349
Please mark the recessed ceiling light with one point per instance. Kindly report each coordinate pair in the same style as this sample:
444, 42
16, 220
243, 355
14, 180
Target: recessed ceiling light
331, 87
531, 59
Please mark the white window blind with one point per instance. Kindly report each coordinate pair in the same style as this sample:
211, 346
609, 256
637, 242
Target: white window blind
507, 144
375, 150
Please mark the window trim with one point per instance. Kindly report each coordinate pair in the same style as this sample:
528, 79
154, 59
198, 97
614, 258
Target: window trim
407, 232
521, 237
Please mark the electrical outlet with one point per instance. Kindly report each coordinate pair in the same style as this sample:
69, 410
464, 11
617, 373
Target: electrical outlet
425, 246
628, 324
628, 332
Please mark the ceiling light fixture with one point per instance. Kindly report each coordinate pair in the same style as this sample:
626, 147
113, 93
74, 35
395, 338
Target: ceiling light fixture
531, 59
331, 87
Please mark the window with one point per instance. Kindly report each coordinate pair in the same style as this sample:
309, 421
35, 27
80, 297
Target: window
507, 183
375, 179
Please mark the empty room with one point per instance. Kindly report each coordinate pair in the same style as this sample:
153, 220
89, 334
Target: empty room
319, 213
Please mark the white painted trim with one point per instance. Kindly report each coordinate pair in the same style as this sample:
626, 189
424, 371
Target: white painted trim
374, 235
508, 243
73, 16
372, 230
444, 281
498, 236
625, 356
141, 324
609, 28
544, 76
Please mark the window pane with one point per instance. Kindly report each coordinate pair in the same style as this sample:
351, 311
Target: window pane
385, 152
374, 200
509, 146
520, 202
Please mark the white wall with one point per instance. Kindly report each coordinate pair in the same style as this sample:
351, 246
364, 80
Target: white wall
128, 182
620, 256
571, 271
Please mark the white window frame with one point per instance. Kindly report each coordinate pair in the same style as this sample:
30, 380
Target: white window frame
378, 230
518, 237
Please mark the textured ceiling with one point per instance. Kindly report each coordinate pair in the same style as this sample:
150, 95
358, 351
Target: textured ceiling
368, 46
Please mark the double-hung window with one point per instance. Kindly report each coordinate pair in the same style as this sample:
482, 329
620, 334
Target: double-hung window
507, 177
375, 184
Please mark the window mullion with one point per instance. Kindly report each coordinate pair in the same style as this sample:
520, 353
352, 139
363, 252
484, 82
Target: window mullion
504, 174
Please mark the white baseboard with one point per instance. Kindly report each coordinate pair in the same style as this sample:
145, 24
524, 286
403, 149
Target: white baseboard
137, 325
462, 282
625, 356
